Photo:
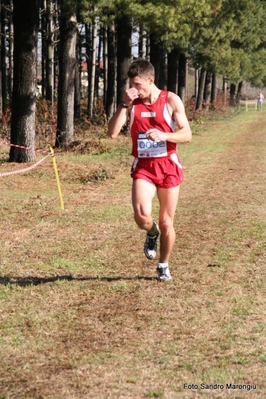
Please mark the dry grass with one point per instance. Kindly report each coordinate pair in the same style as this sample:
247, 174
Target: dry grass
82, 315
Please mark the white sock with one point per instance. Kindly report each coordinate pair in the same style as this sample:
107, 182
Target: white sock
159, 265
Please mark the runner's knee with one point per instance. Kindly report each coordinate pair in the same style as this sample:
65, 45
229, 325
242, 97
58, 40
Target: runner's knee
142, 220
166, 225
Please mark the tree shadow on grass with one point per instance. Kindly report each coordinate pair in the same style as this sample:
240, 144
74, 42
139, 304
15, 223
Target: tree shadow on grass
31, 280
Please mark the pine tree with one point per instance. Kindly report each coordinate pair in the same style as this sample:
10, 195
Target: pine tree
26, 18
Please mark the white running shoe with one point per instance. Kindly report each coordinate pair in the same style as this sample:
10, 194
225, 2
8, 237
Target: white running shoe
163, 272
150, 245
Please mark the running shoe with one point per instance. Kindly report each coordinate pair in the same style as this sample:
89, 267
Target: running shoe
150, 245
164, 273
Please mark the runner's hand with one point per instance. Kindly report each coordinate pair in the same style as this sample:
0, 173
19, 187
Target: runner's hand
130, 95
155, 135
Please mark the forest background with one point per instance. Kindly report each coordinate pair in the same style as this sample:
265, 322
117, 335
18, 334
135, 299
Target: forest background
64, 63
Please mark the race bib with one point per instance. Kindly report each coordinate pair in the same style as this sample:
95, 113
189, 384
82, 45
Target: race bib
149, 148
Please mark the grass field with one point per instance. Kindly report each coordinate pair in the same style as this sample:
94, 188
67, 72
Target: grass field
82, 314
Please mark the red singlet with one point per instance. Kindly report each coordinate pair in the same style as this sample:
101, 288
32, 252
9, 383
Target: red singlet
155, 162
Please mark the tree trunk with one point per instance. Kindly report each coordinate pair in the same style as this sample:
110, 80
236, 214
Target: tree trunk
26, 18
173, 57
77, 95
196, 85
99, 51
111, 82
207, 89
201, 89
148, 47
11, 51
49, 56
157, 58
124, 45
92, 71
67, 65
1, 80
44, 46
239, 89
105, 66
225, 84
77, 83
232, 94
56, 39
3, 61
141, 43
182, 76
214, 85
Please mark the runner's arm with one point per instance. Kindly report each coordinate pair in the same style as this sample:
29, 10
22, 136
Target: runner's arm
121, 116
183, 133
117, 121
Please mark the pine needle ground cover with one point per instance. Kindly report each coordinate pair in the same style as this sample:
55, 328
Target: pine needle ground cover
82, 315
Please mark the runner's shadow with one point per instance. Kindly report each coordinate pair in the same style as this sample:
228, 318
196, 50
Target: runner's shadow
31, 280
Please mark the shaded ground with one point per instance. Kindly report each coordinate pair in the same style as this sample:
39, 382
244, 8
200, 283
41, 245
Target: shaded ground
82, 314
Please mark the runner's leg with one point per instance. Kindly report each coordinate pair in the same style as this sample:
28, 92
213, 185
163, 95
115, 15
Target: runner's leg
143, 193
168, 199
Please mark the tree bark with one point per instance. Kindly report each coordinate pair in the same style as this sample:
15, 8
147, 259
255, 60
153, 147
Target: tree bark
111, 81
3, 61
124, 45
44, 45
157, 58
239, 89
92, 71
173, 57
105, 65
67, 66
26, 18
1, 80
208, 88
49, 56
77, 96
142, 42
11, 50
182, 76
232, 94
214, 91
225, 85
196, 85
201, 89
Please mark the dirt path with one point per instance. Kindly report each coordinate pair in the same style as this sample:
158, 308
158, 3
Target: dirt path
205, 327
226, 191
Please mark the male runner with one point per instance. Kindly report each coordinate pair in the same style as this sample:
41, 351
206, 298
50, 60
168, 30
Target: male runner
157, 124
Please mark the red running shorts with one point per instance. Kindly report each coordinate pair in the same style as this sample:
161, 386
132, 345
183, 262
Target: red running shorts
165, 172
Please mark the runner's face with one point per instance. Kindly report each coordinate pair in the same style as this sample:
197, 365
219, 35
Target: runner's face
142, 85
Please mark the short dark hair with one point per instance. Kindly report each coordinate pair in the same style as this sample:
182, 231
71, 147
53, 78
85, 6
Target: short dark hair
141, 68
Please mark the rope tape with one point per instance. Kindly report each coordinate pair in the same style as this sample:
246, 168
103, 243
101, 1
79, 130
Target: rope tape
14, 172
51, 152
25, 148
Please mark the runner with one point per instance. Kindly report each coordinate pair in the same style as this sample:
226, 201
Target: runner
153, 115
260, 100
